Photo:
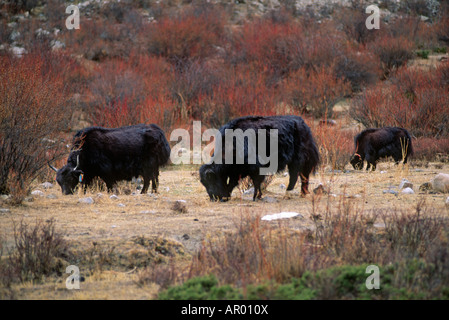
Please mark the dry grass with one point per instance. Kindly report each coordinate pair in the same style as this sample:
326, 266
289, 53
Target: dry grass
114, 224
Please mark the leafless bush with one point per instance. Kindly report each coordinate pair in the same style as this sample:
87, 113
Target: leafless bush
32, 114
36, 252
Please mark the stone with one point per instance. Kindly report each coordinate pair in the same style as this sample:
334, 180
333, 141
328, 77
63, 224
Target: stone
440, 183
47, 185
407, 191
391, 191
37, 193
281, 215
113, 197
87, 200
405, 184
180, 206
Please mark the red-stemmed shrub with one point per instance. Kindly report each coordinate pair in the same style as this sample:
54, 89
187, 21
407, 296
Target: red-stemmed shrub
33, 112
415, 100
315, 92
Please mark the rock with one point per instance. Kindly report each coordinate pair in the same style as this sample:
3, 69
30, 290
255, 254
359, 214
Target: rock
281, 215
87, 200
282, 186
269, 200
440, 183
147, 211
447, 202
405, 184
390, 191
5, 196
52, 196
186, 237
425, 186
47, 185
37, 193
121, 205
249, 191
180, 206
4, 210
113, 197
18, 51
408, 191
319, 190
56, 45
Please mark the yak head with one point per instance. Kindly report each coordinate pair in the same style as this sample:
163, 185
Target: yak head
215, 182
68, 177
357, 161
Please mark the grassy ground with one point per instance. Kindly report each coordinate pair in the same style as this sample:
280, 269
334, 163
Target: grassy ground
117, 224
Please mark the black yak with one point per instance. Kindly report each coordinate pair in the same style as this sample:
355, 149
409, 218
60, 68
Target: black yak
114, 155
373, 144
295, 148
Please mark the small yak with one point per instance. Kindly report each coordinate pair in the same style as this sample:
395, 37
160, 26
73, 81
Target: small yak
375, 143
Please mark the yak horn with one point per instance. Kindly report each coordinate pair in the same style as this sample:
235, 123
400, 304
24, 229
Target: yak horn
77, 162
52, 167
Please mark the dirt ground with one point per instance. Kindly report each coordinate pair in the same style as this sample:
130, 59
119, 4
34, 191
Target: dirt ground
118, 220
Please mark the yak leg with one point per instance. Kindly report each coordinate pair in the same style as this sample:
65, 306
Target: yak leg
293, 177
257, 181
155, 182
146, 184
304, 183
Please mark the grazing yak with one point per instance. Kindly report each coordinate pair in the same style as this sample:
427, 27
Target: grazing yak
295, 148
114, 155
372, 144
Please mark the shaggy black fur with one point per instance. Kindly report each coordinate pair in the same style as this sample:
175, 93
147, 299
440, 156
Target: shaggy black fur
114, 155
296, 149
373, 144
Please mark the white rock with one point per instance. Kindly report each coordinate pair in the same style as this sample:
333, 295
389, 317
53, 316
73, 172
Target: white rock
113, 197
440, 182
121, 205
37, 193
47, 185
147, 211
447, 201
87, 200
282, 215
408, 191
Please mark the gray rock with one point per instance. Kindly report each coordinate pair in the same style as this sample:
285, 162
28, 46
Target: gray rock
56, 44
391, 191
87, 200
447, 202
282, 186
113, 197
269, 199
51, 196
121, 205
4, 210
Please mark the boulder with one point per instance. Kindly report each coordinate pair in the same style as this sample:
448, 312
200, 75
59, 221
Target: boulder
440, 183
